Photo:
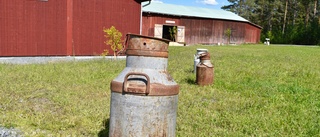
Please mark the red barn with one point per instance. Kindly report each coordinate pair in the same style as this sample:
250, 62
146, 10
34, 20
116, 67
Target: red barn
63, 27
197, 25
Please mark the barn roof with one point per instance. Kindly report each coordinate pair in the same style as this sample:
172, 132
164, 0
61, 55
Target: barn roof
142, 0
179, 10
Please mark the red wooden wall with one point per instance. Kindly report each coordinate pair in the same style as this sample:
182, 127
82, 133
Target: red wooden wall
89, 19
205, 31
31, 27
149, 20
63, 27
252, 34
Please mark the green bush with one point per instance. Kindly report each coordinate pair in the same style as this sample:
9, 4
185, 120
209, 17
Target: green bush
113, 40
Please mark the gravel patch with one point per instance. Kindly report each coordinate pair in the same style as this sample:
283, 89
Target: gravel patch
11, 132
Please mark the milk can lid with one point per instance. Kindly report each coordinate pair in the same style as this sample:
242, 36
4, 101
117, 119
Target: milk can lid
139, 45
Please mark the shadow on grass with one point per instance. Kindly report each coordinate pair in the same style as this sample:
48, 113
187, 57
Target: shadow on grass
105, 131
190, 81
190, 70
191, 76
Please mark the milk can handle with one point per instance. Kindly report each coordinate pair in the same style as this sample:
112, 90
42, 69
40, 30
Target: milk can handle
139, 74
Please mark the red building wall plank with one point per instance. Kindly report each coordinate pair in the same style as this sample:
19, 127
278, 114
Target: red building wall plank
69, 44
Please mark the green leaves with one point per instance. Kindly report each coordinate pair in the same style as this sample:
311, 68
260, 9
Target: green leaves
113, 40
173, 33
228, 34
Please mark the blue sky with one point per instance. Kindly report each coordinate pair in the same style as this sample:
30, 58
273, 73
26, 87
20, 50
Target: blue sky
212, 4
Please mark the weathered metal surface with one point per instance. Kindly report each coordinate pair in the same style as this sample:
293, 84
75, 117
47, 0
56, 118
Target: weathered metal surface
204, 75
147, 53
205, 70
142, 116
146, 46
161, 83
156, 89
205, 56
136, 87
144, 96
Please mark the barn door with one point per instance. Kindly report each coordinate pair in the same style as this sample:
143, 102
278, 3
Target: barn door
158, 30
180, 35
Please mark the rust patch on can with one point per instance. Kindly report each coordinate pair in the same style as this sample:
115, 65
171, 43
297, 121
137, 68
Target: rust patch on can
156, 89
147, 53
204, 75
161, 127
205, 56
139, 45
136, 86
169, 78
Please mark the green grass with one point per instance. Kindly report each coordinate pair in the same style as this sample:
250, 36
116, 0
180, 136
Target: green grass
258, 91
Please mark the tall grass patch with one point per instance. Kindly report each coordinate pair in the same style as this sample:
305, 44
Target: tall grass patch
258, 91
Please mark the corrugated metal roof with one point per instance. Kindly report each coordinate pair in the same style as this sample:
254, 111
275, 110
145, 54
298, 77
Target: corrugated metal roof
179, 10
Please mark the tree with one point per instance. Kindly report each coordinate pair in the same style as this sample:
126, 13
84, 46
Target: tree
285, 17
289, 21
244, 8
113, 40
231, 7
173, 33
228, 34
306, 6
315, 8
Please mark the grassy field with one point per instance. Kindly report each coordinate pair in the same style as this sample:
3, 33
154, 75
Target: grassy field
258, 91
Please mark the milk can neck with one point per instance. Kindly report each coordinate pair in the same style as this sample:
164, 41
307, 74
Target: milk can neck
206, 62
147, 62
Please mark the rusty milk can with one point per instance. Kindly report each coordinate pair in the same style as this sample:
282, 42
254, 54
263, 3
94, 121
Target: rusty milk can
144, 97
204, 74
196, 58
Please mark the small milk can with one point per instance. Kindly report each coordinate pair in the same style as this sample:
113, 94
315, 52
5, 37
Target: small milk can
196, 58
204, 75
144, 97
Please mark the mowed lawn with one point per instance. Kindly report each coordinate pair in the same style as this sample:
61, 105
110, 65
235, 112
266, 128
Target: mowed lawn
258, 90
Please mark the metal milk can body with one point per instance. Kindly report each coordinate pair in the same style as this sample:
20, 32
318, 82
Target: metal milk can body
144, 97
205, 70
